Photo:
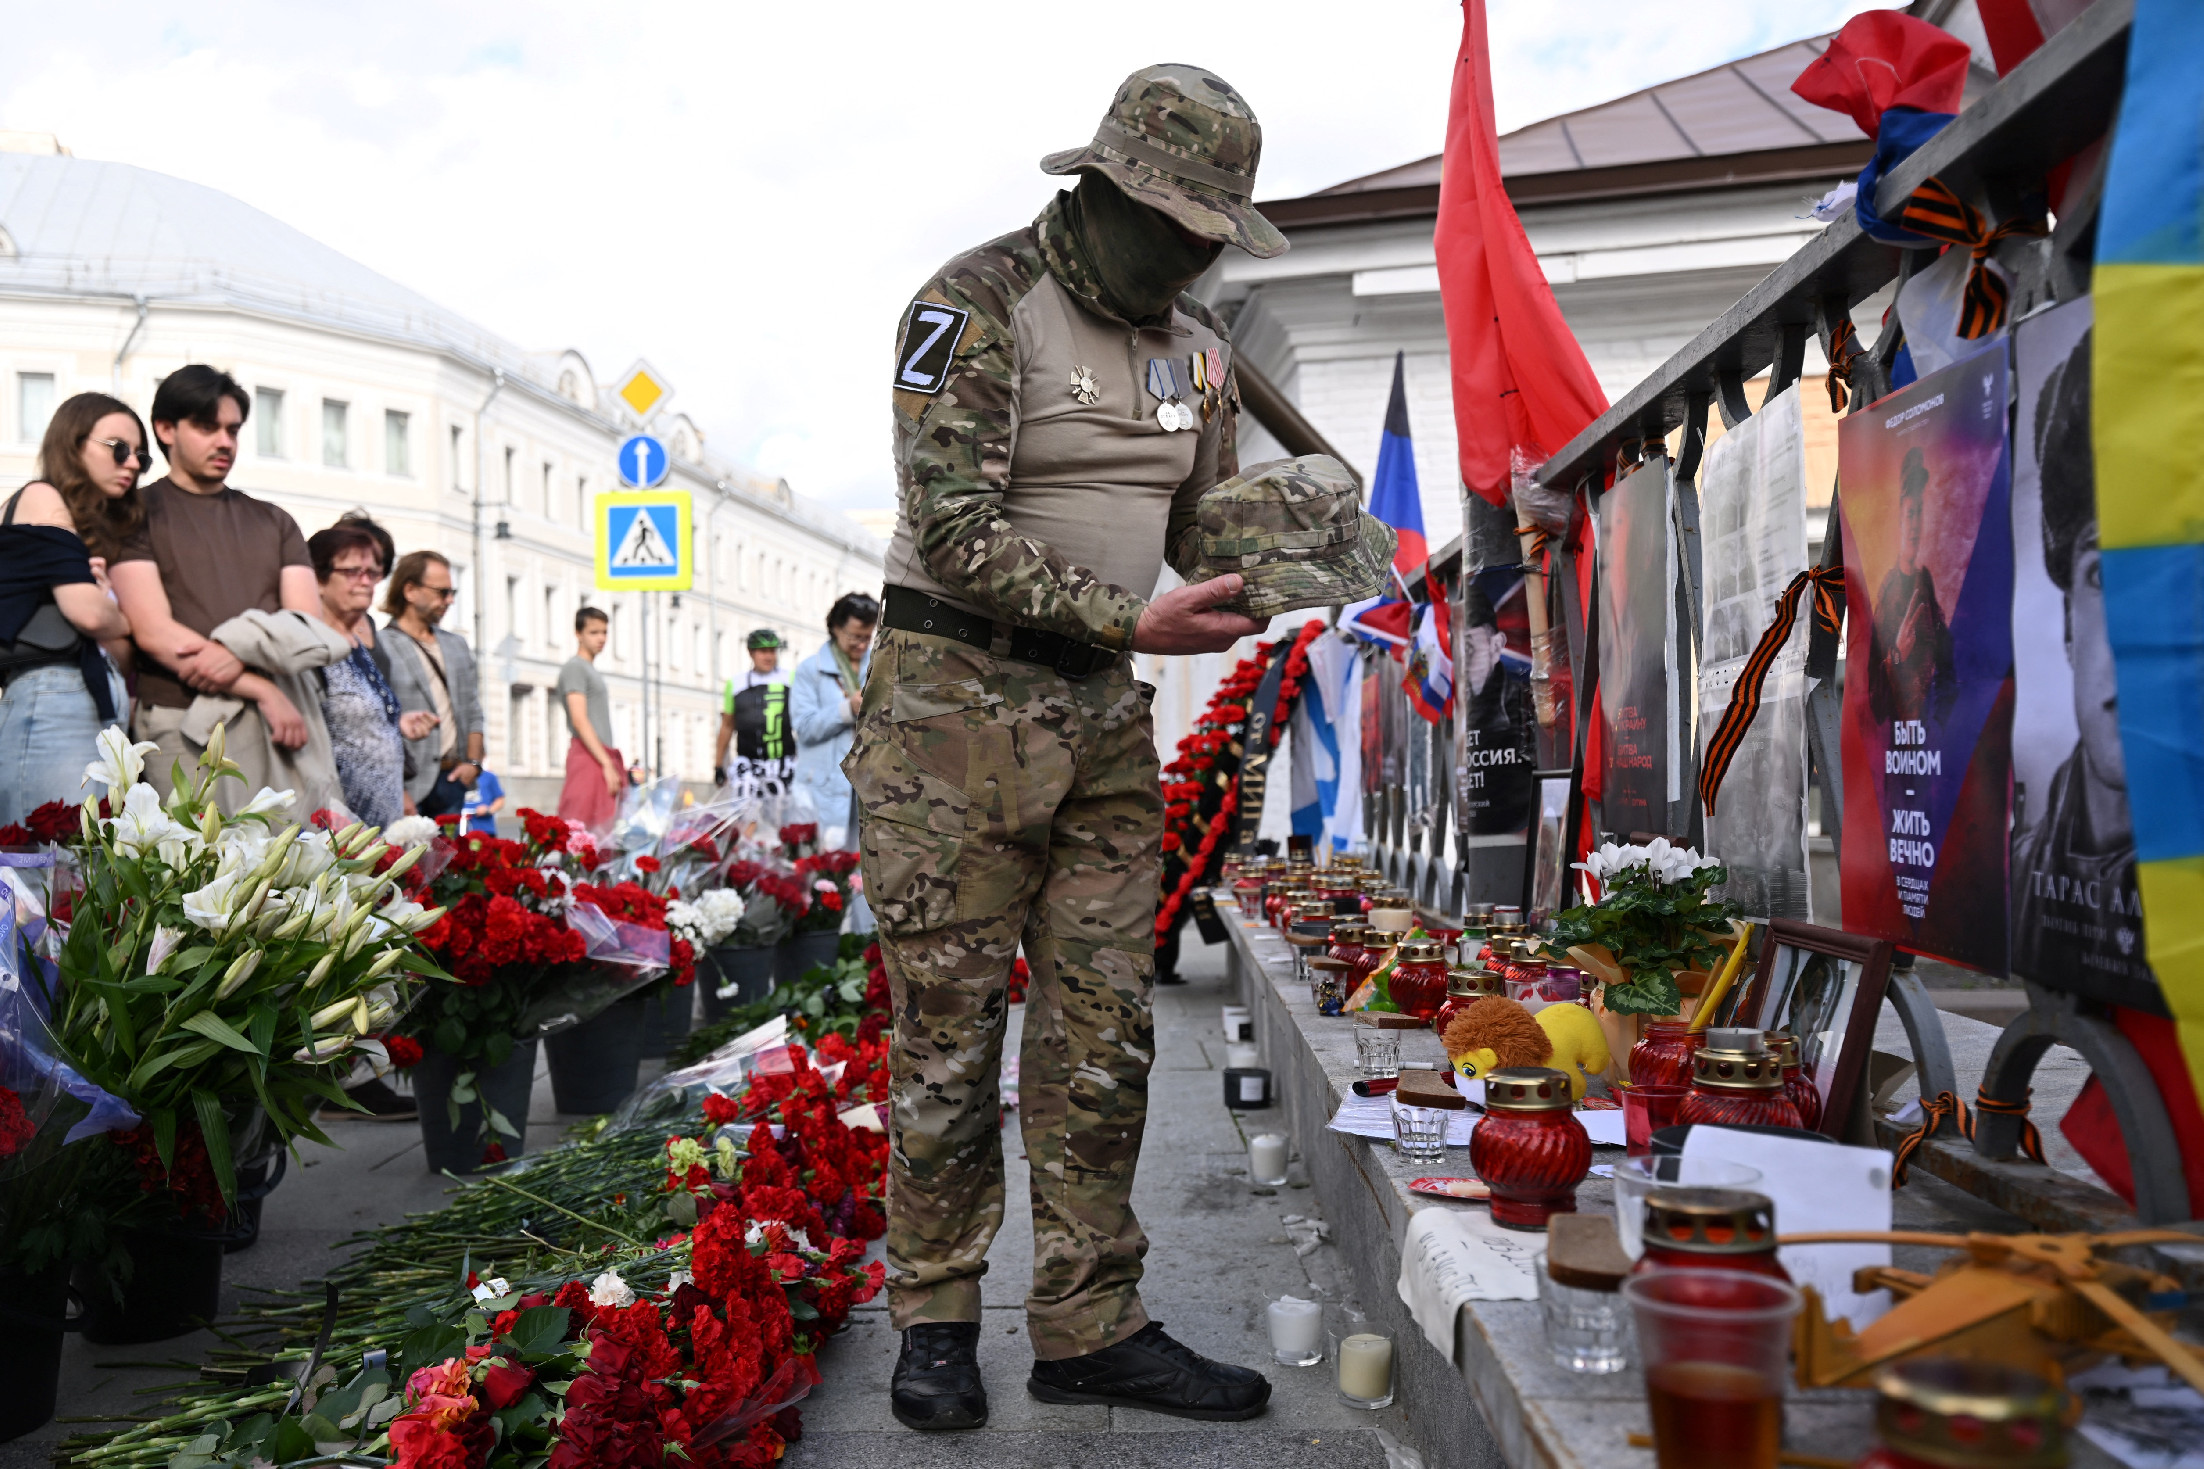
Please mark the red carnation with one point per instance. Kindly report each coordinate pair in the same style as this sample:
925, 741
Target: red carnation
405, 1051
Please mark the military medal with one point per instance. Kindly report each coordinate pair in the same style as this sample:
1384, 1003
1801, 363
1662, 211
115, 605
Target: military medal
1083, 387
1205, 382
1163, 385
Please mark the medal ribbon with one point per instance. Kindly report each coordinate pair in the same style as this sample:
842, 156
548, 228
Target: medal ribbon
1163, 379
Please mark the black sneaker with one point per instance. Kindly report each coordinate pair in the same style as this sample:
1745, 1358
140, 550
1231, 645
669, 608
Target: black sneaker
937, 1378
383, 1104
1150, 1370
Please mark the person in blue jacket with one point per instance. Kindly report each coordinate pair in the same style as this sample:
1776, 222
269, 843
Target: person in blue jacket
822, 706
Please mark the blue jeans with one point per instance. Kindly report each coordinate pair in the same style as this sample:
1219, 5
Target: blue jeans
49, 731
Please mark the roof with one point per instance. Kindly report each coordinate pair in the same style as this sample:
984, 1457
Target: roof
76, 227
1736, 123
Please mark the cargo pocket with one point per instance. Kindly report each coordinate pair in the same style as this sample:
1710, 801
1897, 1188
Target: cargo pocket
911, 836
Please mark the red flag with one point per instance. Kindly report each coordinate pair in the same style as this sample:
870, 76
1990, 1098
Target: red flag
1520, 380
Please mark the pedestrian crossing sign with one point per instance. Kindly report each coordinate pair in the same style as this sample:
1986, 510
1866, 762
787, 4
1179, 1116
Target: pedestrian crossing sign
643, 541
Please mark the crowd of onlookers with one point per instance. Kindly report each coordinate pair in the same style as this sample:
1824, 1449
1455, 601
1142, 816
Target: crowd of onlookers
185, 604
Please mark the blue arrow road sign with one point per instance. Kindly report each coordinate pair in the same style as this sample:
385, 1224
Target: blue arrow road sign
643, 462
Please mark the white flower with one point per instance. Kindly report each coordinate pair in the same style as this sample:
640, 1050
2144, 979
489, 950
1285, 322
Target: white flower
410, 831
120, 762
210, 906
268, 801
609, 1289
677, 1280
311, 854
142, 826
165, 940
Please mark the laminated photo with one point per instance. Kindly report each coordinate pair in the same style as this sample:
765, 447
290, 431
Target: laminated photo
2077, 914
1752, 517
1924, 480
1637, 651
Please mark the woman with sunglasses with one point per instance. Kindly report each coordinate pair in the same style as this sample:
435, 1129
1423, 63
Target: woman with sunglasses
365, 727
58, 690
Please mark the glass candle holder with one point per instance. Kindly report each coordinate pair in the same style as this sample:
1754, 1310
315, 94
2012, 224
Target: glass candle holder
1266, 1159
1377, 1053
1239, 1023
1637, 1177
1716, 1345
1242, 1054
1366, 1370
1645, 1111
1586, 1330
1296, 1332
1420, 1132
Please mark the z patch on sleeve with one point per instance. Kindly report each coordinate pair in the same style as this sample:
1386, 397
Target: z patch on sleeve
931, 332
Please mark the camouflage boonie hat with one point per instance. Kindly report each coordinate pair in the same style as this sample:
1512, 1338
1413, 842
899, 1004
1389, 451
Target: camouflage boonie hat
1296, 530
1181, 139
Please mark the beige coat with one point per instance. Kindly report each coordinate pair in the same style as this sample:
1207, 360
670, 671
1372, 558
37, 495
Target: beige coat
287, 647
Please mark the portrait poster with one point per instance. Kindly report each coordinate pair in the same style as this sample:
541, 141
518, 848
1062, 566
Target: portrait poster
1375, 742
1752, 516
1637, 651
2077, 914
1496, 735
1550, 888
1928, 696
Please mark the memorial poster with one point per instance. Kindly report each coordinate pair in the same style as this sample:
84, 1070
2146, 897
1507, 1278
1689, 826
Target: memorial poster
2077, 915
1928, 697
1637, 652
1496, 734
1752, 516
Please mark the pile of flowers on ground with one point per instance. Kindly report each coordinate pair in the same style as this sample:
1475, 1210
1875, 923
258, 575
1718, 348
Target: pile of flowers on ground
671, 1282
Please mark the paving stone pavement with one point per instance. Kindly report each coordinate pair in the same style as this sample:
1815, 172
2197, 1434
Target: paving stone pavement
1218, 1251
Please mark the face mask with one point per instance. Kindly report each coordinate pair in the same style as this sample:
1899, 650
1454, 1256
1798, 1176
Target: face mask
1139, 258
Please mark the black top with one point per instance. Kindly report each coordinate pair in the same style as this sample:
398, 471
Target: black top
34, 559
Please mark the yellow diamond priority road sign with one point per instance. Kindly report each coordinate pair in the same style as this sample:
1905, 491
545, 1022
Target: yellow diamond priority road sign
642, 390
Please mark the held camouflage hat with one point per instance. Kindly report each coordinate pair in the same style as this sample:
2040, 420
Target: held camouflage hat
1296, 530
1181, 139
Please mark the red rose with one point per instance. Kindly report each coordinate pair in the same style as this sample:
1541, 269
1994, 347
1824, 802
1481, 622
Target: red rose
503, 1384
494, 1153
405, 1051
56, 821
15, 1124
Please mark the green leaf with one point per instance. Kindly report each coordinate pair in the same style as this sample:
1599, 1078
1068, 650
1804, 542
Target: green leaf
262, 1026
164, 1136
539, 1331
215, 1028
214, 1128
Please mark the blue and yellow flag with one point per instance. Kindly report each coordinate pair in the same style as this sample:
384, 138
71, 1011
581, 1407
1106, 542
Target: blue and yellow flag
2148, 425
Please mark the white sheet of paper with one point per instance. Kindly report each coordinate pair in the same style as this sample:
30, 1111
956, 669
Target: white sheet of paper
1373, 1117
1457, 1255
1816, 1186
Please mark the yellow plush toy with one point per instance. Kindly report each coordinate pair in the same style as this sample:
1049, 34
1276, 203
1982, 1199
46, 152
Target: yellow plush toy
1495, 1033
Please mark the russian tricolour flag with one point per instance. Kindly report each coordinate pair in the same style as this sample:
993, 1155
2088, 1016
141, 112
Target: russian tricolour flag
1395, 499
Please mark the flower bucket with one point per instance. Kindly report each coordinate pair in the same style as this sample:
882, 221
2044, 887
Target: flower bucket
796, 954
175, 1287
746, 973
668, 1015
255, 1181
594, 1064
33, 1316
508, 1087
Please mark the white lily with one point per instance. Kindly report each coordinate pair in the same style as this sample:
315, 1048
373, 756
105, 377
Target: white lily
241, 969
267, 801
142, 826
120, 762
165, 940
210, 906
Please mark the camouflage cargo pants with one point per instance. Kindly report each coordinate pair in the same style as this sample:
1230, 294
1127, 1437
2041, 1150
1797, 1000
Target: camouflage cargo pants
1002, 802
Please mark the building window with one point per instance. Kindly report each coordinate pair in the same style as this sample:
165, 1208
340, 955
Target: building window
551, 618
508, 476
336, 419
554, 732
457, 488
550, 507
397, 442
512, 608
268, 422
516, 728
34, 403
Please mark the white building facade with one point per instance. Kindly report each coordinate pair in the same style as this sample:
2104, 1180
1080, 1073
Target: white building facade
369, 397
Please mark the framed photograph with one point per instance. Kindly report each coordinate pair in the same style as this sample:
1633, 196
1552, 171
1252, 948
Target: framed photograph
1546, 886
1825, 987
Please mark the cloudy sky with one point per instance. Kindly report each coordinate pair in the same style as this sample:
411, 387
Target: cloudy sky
747, 194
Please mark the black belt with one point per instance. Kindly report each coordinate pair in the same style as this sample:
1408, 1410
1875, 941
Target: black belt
914, 611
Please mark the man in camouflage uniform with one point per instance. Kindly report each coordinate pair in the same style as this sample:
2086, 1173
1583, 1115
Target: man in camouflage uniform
1060, 406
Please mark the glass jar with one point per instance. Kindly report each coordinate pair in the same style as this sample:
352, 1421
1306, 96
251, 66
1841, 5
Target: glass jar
1737, 1089
1952, 1413
1802, 1092
1247, 890
1377, 950
1347, 942
1529, 1148
1417, 984
1464, 988
1526, 975
1709, 1229
1662, 1056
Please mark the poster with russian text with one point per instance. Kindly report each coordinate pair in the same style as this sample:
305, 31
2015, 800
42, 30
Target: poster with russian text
2077, 914
1928, 696
1752, 515
1637, 652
